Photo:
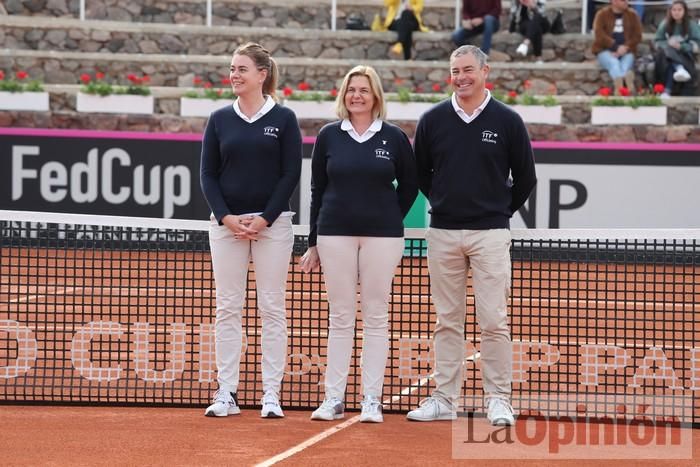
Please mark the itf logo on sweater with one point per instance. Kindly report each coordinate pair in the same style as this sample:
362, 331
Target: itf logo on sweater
271, 131
382, 154
488, 136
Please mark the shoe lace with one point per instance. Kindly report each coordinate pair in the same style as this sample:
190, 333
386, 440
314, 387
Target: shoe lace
370, 402
223, 396
430, 404
500, 405
330, 403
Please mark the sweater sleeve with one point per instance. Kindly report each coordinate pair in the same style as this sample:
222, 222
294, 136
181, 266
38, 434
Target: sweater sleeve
424, 164
692, 45
290, 162
319, 181
660, 39
406, 178
522, 166
210, 166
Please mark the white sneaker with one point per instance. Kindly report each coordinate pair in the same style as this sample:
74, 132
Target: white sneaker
681, 75
522, 49
331, 409
500, 412
371, 410
664, 95
225, 404
432, 409
271, 406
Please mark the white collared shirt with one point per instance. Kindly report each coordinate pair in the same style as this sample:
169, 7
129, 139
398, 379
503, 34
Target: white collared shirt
463, 115
267, 106
369, 132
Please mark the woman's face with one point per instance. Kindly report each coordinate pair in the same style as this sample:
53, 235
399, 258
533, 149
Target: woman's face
677, 12
245, 76
359, 98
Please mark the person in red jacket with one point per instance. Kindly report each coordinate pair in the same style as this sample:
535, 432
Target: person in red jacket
478, 17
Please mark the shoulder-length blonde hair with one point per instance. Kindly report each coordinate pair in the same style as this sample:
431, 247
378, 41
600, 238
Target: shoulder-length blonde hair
379, 107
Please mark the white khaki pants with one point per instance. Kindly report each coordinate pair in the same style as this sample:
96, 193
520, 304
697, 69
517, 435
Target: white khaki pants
373, 261
230, 258
450, 254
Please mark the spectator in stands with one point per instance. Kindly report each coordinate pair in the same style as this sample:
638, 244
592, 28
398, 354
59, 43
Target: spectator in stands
476, 166
251, 163
478, 16
527, 17
403, 16
356, 233
617, 31
677, 42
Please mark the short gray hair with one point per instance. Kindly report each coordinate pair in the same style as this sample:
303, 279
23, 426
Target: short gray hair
479, 54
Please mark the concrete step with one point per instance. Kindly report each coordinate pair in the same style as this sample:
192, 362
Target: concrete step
18, 32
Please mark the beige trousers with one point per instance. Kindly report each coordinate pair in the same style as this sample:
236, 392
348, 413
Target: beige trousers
450, 255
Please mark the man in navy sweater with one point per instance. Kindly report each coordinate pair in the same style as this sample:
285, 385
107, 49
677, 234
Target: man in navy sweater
475, 165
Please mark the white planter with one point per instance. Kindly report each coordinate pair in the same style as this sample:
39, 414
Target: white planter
114, 103
196, 107
607, 115
36, 101
539, 113
406, 110
324, 110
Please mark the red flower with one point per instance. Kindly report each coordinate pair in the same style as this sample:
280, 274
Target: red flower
605, 92
512, 94
659, 88
21, 75
99, 75
436, 87
225, 80
85, 78
208, 85
304, 86
197, 80
398, 81
419, 89
219, 92
624, 91
527, 84
2, 75
287, 91
333, 92
145, 79
448, 80
131, 77
489, 86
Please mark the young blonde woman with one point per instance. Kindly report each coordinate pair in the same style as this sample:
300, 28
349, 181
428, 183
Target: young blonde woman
251, 163
356, 233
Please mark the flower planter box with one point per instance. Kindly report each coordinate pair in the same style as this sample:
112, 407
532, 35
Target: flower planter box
539, 113
197, 107
406, 110
115, 103
35, 101
607, 115
324, 110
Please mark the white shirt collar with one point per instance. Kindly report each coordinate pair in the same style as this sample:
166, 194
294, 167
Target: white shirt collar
463, 115
267, 106
373, 128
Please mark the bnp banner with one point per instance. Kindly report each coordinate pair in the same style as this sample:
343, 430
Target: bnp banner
580, 185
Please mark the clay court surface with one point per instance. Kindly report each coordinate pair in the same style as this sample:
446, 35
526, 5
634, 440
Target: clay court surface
51, 435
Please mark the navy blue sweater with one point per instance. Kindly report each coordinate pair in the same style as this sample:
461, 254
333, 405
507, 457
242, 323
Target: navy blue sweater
250, 167
465, 169
352, 190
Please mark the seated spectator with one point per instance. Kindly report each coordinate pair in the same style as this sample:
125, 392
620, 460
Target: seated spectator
527, 18
677, 41
617, 31
478, 17
403, 16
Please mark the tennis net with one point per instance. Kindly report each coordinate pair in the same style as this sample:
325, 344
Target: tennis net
107, 310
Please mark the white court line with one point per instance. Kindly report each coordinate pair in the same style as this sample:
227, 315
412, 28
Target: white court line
335, 429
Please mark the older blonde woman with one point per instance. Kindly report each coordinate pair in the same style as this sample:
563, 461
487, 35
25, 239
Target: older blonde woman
356, 233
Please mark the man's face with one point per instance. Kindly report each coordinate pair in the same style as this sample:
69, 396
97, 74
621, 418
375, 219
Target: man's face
619, 6
468, 78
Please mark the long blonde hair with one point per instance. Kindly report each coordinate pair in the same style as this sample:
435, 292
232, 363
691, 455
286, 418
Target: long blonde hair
379, 107
263, 61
